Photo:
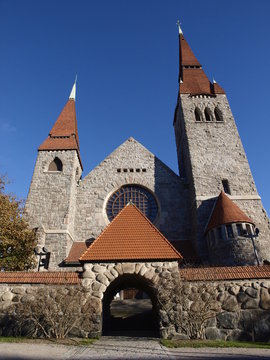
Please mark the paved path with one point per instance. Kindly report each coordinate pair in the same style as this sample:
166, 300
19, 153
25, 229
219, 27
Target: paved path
123, 348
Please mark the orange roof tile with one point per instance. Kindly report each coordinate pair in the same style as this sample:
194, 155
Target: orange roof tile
194, 79
130, 236
225, 273
77, 249
21, 277
64, 133
226, 212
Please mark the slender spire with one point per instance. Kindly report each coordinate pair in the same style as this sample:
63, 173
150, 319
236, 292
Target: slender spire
179, 27
73, 90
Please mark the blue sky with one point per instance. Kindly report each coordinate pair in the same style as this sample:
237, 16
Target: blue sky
126, 56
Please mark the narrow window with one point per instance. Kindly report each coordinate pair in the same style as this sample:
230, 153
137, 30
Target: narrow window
118, 170
229, 231
56, 165
249, 230
226, 186
208, 114
198, 115
218, 115
239, 228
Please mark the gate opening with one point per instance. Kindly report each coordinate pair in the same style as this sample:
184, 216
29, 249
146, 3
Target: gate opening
129, 308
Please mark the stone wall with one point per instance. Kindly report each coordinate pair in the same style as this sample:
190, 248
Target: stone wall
209, 152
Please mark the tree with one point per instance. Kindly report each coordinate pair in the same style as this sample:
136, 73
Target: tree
17, 240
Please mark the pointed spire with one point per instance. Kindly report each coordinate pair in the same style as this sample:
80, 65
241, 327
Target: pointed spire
64, 133
226, 212
194, 79
179, 27
73, 90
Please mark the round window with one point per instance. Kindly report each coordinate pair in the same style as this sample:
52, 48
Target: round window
138, 195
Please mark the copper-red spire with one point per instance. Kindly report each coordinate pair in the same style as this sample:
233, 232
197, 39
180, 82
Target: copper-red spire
64, 133
192, 78
226, 212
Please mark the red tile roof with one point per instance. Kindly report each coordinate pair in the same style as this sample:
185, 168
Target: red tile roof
77, 249
226, 212
130, 236
225, 273
194, 80
64, 133
48, 277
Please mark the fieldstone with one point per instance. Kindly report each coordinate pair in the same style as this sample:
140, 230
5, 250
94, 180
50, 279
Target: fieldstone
212, 322
205, 296
118, 268
27, 298
137, 268
179, 336
250, 304
109, 275
114, 272
256, 285
234, 290
262, 330
196, 306
149, 274
89, 274
98, 268
165, 274
252, 292
221, 296
193, 296
18, 290
128, 268
143, 270
186, 289
7, 296
103, 279
265, 299
239, 335
87, 266
96, 286
97, 294
227, 320
212, 333
230, 303
158, 270
87, 282
264, 284
241, 297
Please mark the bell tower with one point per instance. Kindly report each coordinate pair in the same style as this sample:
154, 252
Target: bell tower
51, 202
211, 156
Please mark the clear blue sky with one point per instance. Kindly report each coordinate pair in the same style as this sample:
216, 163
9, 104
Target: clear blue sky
126, 56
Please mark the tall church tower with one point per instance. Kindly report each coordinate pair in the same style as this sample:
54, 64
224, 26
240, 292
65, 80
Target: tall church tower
211, 158
50, 205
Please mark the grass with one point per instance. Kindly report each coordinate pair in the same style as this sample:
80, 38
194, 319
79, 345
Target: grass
213, 343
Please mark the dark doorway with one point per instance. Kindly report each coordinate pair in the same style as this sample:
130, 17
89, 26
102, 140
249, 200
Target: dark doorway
129, 308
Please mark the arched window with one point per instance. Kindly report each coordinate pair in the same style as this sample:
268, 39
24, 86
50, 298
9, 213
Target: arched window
208, 114
198, 115
56, 165
218, 114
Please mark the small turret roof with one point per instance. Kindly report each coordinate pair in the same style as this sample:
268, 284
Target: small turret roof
226, 212
130, 236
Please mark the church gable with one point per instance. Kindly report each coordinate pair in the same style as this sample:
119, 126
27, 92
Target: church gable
130, 163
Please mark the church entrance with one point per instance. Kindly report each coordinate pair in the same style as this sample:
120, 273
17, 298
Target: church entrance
129, 308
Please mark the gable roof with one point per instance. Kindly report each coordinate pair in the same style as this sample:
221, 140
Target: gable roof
226, 212
130, 236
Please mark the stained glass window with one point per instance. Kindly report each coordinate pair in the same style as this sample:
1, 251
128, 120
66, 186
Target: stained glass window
138, 195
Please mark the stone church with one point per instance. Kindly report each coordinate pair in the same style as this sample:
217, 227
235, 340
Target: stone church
132, 207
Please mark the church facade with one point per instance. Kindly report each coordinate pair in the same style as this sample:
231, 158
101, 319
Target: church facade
209, 212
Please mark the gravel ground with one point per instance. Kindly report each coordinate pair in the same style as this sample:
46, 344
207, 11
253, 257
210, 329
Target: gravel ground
123, 348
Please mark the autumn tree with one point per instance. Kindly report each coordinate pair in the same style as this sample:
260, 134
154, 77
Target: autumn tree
17, 240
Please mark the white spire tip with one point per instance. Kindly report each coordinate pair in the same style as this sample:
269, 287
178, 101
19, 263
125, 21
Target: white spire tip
179, 27
73, 90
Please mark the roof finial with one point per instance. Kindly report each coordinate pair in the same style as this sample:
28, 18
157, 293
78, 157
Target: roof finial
179, 27
214, 81
73, 90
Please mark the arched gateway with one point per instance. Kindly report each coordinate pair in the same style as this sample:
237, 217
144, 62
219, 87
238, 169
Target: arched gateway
129, 254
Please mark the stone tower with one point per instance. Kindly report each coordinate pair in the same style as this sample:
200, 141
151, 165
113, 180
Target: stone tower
51, 201
210, 154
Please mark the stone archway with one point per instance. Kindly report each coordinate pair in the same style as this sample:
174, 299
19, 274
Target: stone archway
133, 316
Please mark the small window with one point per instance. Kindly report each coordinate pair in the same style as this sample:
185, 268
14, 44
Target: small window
125, 170
226, 186
218, 115
56, 165
143, 170
208, 114
229, 231
118, 170
131, 170
198, 115
239, 228
249, 229
138, 170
